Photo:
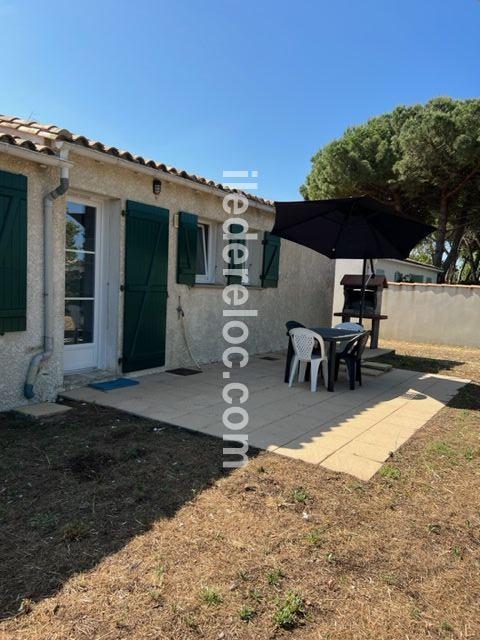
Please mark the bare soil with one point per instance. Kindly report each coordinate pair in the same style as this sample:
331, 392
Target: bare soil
114, 527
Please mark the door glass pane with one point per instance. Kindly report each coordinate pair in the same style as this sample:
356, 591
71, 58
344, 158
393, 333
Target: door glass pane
79, 274
80, 227
78, 321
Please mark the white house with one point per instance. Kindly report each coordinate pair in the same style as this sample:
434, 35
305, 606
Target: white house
112, 263
407, 270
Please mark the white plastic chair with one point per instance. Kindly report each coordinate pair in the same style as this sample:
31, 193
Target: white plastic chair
303, 342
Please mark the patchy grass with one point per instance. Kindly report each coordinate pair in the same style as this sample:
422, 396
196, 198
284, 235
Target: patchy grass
390, 471
116, 527
300, 494
443, 449
211, 596
290, 610
246, 613
74, 531
45, 522
315, 536
460, 362
255, 594
274, 577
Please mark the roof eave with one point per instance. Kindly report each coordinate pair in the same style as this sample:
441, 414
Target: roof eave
34, 156
100, 156
417, 263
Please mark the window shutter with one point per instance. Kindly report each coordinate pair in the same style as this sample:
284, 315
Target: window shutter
187, 248
13, 252
271, 260
235, 228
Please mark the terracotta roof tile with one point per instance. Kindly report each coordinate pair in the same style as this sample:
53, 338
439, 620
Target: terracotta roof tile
25, 129
52, 133
25, 144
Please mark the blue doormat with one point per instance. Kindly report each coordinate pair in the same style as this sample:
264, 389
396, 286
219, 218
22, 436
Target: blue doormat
113, 384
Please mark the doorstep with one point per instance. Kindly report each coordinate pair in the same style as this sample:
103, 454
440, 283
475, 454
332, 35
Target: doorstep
78, 379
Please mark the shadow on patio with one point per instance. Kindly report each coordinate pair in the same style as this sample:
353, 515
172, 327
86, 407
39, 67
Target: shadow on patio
348, 431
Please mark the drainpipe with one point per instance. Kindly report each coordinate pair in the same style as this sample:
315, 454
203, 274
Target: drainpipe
41, 358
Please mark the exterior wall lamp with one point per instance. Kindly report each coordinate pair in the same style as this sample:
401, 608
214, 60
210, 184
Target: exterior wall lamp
156, 186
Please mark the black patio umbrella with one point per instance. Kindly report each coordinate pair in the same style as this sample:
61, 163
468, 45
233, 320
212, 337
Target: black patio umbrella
358, 227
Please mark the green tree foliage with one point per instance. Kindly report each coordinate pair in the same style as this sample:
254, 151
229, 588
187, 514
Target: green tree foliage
423, 159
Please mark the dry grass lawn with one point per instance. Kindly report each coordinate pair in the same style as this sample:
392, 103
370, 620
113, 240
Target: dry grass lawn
460, 362
115, 527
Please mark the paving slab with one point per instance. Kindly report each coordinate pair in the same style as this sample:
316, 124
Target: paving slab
43, 410
347, 431
361, 468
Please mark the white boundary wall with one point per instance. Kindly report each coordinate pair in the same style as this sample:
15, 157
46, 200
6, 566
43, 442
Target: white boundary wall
432, 313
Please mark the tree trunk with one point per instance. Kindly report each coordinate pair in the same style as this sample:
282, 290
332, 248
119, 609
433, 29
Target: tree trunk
474, 262
441, 233
449, 265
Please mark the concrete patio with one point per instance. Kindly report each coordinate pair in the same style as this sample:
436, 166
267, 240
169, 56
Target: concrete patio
348, 431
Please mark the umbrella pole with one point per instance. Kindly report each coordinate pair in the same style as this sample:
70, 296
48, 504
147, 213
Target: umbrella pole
362, 297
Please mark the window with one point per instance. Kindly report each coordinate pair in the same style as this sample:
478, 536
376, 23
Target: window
205, 265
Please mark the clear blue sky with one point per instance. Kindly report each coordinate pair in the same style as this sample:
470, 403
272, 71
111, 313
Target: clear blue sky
217, 84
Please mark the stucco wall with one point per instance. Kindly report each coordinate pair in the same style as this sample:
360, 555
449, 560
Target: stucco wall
304, 292
432, 313
17, 348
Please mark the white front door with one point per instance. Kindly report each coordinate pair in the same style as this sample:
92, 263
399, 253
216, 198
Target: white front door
82, 285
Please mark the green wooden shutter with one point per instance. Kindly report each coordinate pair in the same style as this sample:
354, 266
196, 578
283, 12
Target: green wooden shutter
271, 260
187, 248
235, 228
146, 272
13, 252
